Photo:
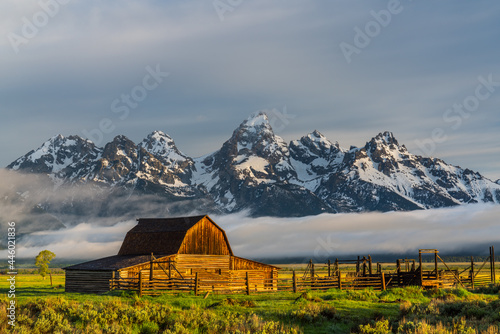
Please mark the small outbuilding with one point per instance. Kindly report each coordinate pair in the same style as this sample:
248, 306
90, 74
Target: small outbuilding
166, 248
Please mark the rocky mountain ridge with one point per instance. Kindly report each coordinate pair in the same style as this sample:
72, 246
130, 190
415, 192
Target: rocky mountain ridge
258, 171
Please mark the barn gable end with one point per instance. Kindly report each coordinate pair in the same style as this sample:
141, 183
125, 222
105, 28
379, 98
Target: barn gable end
205, 237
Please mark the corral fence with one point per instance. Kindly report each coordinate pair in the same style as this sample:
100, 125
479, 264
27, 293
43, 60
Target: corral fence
356, 274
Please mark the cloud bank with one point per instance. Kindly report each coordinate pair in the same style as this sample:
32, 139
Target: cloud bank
450, 230
331, 235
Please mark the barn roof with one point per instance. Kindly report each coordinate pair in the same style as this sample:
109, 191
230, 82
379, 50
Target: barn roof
160, 235
112, 262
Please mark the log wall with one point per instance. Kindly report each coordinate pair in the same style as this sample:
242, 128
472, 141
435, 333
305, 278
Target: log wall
88, 281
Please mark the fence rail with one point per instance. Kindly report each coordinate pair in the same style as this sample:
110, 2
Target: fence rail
366, 275
248, 285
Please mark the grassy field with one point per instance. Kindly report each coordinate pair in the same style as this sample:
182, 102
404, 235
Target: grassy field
44, 309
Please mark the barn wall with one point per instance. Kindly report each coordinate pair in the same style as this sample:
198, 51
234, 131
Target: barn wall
259, 280
205, 238
239, 263
202, 262
88, 281
160, 264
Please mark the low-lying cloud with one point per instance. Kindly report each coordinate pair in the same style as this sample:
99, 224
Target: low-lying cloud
329, 235
450, 230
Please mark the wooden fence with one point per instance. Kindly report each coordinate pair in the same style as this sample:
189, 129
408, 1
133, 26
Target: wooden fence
246, 285
249, 286
405, 273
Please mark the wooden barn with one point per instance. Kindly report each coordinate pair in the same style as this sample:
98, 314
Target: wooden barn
182, 247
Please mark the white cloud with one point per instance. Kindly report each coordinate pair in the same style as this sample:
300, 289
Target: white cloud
328, 235
449, 229
84, 241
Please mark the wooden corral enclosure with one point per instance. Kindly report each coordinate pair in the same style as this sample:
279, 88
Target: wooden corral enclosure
406, 272
172, 253
352, 274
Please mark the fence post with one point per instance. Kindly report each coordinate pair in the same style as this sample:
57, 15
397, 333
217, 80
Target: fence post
340, 280
151, 268
294, 282
472, 271
370, 264
493, 264
436, 263
112, 281
247, 283
169, 269
420, 269
140, 283
329, 269
383, 281
398, 265
491, 271
196, 284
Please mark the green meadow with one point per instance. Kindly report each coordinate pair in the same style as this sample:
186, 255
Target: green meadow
42, 308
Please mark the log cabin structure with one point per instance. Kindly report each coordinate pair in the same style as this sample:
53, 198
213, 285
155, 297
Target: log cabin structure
168, 248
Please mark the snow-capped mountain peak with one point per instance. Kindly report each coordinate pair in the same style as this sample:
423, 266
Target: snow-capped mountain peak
386, 138
319, 143
255, 137
256, 170
258, 120
58, 155
163, 147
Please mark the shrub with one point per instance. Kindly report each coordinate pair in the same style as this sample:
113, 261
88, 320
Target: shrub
149, 328
460, 292
379, 327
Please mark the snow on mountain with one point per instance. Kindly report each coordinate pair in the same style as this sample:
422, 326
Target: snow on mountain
163, 147
252, 171
65, 159
312, 157
384, 176
256, 170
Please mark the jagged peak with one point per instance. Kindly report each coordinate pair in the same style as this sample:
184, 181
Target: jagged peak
159, 143
73, 138
158, 136
256, 123
318, 139
121, 139
256, 119
120, 142
317, 134
385, 138
53, 139
256, 128
60, 140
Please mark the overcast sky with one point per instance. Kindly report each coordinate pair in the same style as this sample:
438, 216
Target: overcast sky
350, 69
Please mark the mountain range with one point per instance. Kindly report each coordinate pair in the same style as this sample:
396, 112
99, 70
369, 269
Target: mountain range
254, 170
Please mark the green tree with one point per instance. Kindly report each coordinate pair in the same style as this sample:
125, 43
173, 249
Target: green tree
42, 261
